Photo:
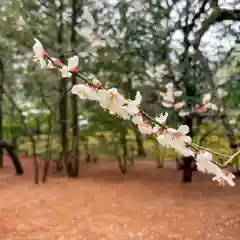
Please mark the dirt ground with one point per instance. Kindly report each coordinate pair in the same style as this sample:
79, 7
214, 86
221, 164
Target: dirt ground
147, 203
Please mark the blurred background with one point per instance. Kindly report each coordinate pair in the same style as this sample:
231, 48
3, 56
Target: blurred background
133, 45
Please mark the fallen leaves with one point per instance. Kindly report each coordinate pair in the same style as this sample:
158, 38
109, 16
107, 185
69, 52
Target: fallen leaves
147, 203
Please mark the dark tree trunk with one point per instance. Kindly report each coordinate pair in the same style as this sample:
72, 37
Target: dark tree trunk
140, 148
29, 134
48, 150
187, 169
1, 109
187, 161
63, 116
12, 153
63, 104
123, 142
75, 126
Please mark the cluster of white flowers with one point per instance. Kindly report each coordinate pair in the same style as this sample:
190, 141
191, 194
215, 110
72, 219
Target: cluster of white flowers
204, 164
206, 104
170, 101
127, 109
113, 101
169, 97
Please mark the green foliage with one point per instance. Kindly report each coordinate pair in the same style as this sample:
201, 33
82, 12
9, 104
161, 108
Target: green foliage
139, 40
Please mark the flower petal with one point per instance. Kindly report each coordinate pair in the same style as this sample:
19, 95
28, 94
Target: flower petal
183, 113
123, 113
179, 105
73, 62
178, 93
138, 98
145, 128
188, 152
156, 129
132, 108
137, 120
167, 105
102, 96
206, 98
162, 118
187, 139
184, 129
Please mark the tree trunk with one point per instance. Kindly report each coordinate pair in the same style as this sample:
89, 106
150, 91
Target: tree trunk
29, 134
74, 99
63, 103
48, 150
11, 151
1, 109
123, 142
140, 148
187, 170
63, 116
187, 161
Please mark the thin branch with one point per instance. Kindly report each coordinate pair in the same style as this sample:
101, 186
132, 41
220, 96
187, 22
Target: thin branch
232, 158
218, 15
198, 14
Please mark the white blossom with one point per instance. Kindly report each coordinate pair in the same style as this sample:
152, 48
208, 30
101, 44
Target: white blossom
224, 176
169, 97
205, 164
70, 67
202, 160
179, 105
145, 128
85, 92
183, 113
180, 138
51, 65
206, 98
132, 106
39, 53
212, 106
122, 112
111, 99
206, 104
167, 104
137, 119
178, 93
161, 119
165, 139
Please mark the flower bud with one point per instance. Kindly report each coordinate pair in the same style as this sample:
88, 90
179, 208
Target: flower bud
96, 82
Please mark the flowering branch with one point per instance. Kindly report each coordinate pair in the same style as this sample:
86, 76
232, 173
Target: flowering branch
196, 146
231, 159
56, 64
116, 103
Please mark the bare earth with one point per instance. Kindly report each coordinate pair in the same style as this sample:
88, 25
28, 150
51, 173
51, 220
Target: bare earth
147, 203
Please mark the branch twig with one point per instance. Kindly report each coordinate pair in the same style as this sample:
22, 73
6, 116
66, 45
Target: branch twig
194, 146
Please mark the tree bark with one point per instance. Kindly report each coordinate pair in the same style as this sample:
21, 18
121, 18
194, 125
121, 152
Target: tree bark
187, 170
140, 148
123, 142
187, 161
12, 153
190, 91
1, 109
48, 150
74, 99
63, 103
29, 134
